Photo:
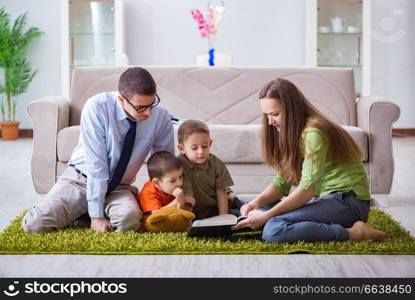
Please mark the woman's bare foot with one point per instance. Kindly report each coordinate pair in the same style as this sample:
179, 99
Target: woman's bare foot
361, 231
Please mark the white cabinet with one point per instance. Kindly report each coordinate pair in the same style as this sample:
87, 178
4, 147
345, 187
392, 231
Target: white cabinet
338, 35
92, 35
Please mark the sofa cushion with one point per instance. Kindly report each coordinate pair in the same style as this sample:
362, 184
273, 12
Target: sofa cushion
224, 95
235, 143
360, 137
242, 143
231, 143
68, 138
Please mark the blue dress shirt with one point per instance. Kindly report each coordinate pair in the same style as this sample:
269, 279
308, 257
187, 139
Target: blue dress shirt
103, 128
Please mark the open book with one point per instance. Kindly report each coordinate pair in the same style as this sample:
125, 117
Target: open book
215, 226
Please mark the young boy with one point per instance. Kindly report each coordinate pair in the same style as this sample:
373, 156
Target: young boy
164, 189
206, 179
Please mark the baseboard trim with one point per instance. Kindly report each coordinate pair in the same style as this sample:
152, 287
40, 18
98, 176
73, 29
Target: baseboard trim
403, 132
28, 133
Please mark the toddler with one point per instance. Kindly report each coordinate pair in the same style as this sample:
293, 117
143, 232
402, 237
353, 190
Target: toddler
207, 181
164, 189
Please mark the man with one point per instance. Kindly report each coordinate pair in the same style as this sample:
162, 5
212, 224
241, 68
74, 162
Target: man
118, 130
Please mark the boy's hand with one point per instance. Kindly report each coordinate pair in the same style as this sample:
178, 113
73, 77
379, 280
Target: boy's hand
178, 193
180, 199
188, 207
188, 203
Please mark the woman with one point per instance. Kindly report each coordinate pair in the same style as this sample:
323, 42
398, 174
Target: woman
319, 157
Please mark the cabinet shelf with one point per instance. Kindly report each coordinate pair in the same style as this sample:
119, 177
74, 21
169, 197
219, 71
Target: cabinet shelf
90, 65
339, 66
90, 33
340, 33
93, 34
348, 45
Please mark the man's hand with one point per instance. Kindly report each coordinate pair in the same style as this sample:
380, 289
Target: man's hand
100, 225
256, 218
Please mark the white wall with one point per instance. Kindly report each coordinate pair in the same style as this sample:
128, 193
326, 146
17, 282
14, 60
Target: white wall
265, 32
44, 54
393, 55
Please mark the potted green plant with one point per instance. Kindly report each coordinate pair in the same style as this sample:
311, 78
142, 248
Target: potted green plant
14, 46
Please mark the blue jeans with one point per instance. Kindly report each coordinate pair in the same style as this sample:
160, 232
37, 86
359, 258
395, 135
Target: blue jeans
322, 219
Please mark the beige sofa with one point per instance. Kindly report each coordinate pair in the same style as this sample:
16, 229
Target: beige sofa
227, 99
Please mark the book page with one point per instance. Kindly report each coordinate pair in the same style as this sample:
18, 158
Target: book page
227, 219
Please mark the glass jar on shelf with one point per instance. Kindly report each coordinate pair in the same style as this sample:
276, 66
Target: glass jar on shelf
91, 25
339, 36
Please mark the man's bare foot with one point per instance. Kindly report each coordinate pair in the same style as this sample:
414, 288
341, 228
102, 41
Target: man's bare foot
361, 231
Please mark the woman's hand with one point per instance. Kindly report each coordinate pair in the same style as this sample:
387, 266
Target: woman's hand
256, 219
246, 208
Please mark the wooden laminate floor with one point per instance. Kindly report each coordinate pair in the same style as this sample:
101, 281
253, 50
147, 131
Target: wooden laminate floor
17, 193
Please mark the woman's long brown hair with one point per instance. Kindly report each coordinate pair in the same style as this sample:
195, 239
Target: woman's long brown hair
283, 150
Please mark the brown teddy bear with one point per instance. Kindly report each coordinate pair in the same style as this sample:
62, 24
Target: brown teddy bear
169, 219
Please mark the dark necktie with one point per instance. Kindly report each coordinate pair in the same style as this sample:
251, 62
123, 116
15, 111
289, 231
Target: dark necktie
126, 151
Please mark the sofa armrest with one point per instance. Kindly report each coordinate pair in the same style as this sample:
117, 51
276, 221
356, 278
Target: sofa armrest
375, 116
48, 115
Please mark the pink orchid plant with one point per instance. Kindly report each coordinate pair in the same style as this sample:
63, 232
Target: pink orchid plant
208, 27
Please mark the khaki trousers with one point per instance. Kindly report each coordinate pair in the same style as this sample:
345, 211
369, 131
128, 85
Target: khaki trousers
66, 202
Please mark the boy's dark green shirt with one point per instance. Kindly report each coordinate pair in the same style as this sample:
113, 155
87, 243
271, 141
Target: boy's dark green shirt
202, 182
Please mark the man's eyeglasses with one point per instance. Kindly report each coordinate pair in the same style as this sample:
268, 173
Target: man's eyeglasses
143, 108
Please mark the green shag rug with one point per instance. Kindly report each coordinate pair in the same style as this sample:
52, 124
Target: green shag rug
79, 239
